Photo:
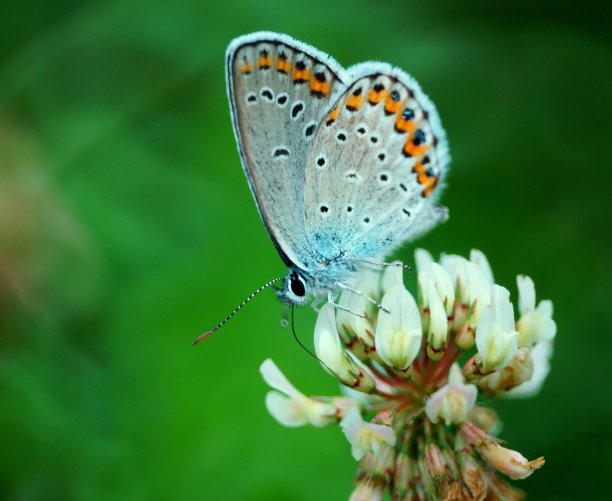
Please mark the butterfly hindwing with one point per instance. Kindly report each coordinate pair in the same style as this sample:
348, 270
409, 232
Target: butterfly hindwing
279, 90
376, 165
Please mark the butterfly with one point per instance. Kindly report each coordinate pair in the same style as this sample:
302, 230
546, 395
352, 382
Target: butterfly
345, 165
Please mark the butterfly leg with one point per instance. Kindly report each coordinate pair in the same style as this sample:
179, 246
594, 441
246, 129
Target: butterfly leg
381, 264
361, 294
332, 301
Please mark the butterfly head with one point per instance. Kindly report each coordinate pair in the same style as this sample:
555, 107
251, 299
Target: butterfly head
296, 288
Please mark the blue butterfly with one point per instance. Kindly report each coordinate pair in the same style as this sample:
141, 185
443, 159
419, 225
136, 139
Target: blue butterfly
344, 165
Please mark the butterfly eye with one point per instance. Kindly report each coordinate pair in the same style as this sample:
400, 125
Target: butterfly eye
296, 284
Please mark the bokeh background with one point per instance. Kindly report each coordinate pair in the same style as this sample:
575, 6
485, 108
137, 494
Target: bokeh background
127, 228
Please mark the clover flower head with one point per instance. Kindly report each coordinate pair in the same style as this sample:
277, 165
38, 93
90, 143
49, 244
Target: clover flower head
408, 409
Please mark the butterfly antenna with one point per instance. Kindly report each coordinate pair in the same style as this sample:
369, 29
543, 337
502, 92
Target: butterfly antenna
300, 342
202, 337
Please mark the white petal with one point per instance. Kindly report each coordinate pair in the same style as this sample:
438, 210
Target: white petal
423, 259
392, 275
526, 292
361, 325
368, 281
343, 318
398, 333
327, 341
480, 260
453, 264
476, 287
496, 339
455, 376
444, 285
453, 401
438, 323
545, 307
285, 410
500, 298
364, 436
276, 379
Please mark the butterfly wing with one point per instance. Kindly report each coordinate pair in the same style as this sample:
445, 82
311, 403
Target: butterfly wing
279, 91
376, 166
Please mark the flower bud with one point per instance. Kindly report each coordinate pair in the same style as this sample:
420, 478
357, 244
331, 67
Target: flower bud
367, 491
329, 351
438, 469
402, 478
540, 356
465, 337
507, 461
517, 372
453, 402
365, 437
500, 489
398, 333
471, 474
485, 418
495, 334
437, 332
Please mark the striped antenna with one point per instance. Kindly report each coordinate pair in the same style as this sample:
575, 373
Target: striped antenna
202, 337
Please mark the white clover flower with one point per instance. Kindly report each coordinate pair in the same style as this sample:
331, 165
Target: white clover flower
399, 364
472, 283
541, 354
289, 406
495, 334
399, 332
453, 402
330, 352
535, 324
363, 436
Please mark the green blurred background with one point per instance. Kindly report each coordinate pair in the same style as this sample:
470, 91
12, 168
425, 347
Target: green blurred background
127, 228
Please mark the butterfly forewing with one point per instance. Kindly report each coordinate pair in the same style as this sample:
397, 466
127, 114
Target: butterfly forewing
280, 90
376, 163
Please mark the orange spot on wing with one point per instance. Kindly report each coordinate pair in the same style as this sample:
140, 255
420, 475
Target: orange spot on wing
425, 178
375, 97
392, 106
418, 167
430, 185
321, 88
412, 150
300, 76
283, 65
353, 102
402, 125
246, 68
333, 116
264, 62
